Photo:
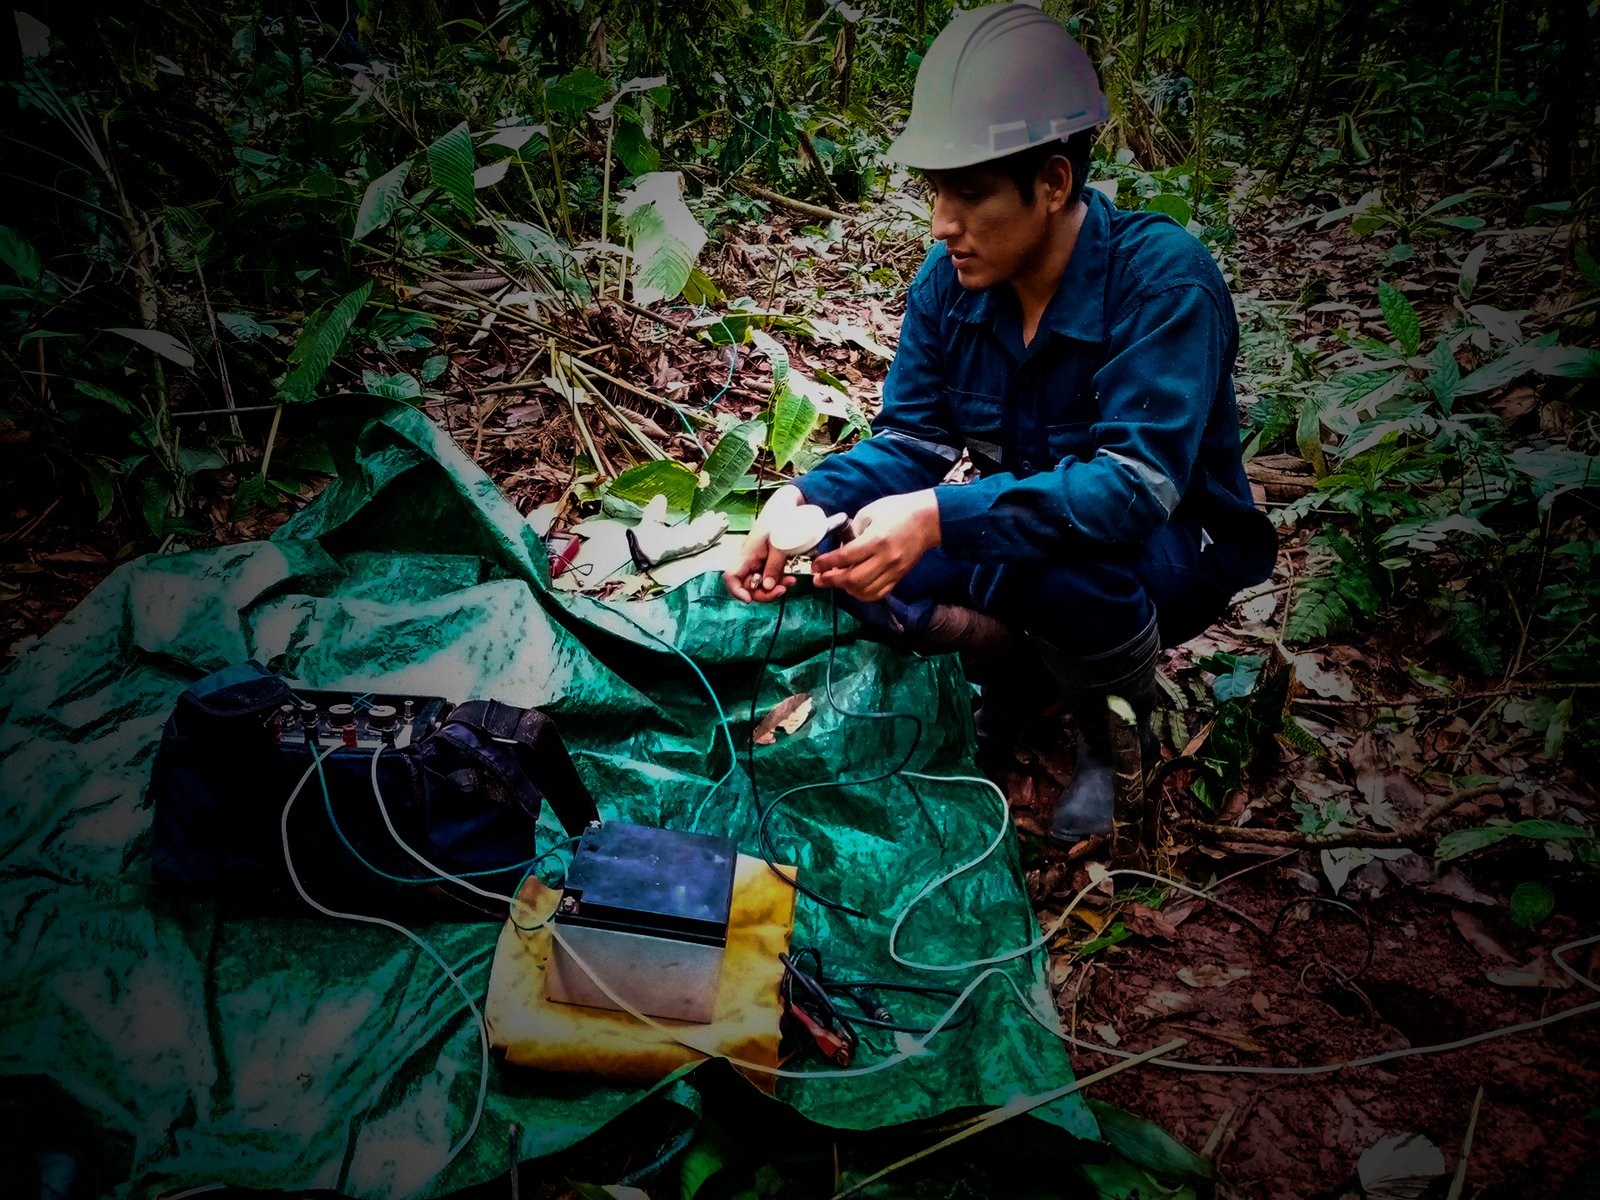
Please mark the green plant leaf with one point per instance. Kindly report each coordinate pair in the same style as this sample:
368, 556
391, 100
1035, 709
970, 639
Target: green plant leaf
1468, 279
319, 342
660, 477
450, 165
1236, 674
1531, 902
576, 92
1465, 841
1402, 318
115, 399
776, 354
490, 175
793, 416
245, 327
633, 146
1555, 468
1587, 267
727, 463
1147, 1145
1173, 205
666, 237
380, 200
18, 254
161, 343
1444, 377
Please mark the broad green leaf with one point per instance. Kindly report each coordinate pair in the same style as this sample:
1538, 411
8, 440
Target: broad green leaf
1471, 224
575, 93
1531, 902
776, 354
1174, 206
380, 200
666, 237
1555, 468
1587, 267
660, 477
1147, 1145
1470, 267
450, 164
1465, 841
727, 463
515, 137
700, 289
1444, 379
1451, 201
193, 459
1428, 533
434, 367
18, 254
492, 174
1236, 674
100, 484
399, 386
640, 84
160, 342
793, 416
319, 342
245, 327
1402, 318
633, 146
115, 399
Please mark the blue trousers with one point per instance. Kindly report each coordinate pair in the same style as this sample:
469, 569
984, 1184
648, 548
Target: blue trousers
1085, 606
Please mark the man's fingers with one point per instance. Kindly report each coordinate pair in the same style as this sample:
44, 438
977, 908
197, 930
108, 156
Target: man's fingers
848, 555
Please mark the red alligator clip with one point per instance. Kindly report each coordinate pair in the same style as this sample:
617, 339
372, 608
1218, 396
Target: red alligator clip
833, 1044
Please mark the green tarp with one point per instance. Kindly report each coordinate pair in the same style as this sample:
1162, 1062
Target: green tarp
175, 1044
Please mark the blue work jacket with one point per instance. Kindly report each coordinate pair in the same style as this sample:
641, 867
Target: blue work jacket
1118, 417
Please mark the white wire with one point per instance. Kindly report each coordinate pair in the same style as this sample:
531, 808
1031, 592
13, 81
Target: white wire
384, 923
1052, 1022
440, 872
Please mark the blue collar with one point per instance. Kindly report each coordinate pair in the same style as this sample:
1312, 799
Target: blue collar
1077, 309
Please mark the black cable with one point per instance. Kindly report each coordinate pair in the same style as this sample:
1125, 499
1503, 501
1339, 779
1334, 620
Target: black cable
765, 846
762, 840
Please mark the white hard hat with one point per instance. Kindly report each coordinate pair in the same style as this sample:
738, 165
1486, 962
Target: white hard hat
998, 79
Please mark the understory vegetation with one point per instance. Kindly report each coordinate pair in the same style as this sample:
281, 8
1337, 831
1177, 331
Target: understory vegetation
631, 249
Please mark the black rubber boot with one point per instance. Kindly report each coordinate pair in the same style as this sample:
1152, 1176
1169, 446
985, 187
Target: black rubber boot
1087, 807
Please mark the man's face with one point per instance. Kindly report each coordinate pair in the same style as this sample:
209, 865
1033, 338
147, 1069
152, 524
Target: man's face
990, 233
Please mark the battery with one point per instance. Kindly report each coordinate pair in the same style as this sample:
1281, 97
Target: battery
646, 910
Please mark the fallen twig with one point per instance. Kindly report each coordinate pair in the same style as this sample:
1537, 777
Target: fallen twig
1016, 1108
1416, 836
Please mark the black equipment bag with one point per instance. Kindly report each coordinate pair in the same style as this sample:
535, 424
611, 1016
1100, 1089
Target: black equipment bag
462, 786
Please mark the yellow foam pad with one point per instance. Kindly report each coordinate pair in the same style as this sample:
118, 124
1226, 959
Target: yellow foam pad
535, 1031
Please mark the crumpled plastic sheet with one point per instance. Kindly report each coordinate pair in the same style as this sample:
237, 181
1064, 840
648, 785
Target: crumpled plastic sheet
174, 1043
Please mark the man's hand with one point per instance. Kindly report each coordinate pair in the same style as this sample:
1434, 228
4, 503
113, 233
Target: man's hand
759, 575
891, 535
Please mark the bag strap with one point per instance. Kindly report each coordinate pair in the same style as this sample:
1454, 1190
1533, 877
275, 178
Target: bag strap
540, 751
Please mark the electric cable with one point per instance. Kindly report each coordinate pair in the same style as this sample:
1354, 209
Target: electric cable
766, 813
428, 949
327, 803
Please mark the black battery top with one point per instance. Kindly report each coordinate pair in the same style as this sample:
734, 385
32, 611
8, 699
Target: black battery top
652, 881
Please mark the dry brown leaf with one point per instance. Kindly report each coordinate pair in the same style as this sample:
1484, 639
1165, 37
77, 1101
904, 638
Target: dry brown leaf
1228, 1037
1164, 1004
787, 714
1204, 975
1148, 922
1479, 937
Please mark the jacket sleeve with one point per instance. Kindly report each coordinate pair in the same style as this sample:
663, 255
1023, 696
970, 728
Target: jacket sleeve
1156, 388
913, 445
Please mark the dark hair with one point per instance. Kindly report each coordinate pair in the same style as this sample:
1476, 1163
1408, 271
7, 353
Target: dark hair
1022, 168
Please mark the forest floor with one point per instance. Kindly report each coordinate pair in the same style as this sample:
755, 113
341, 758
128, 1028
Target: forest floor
1277, 976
